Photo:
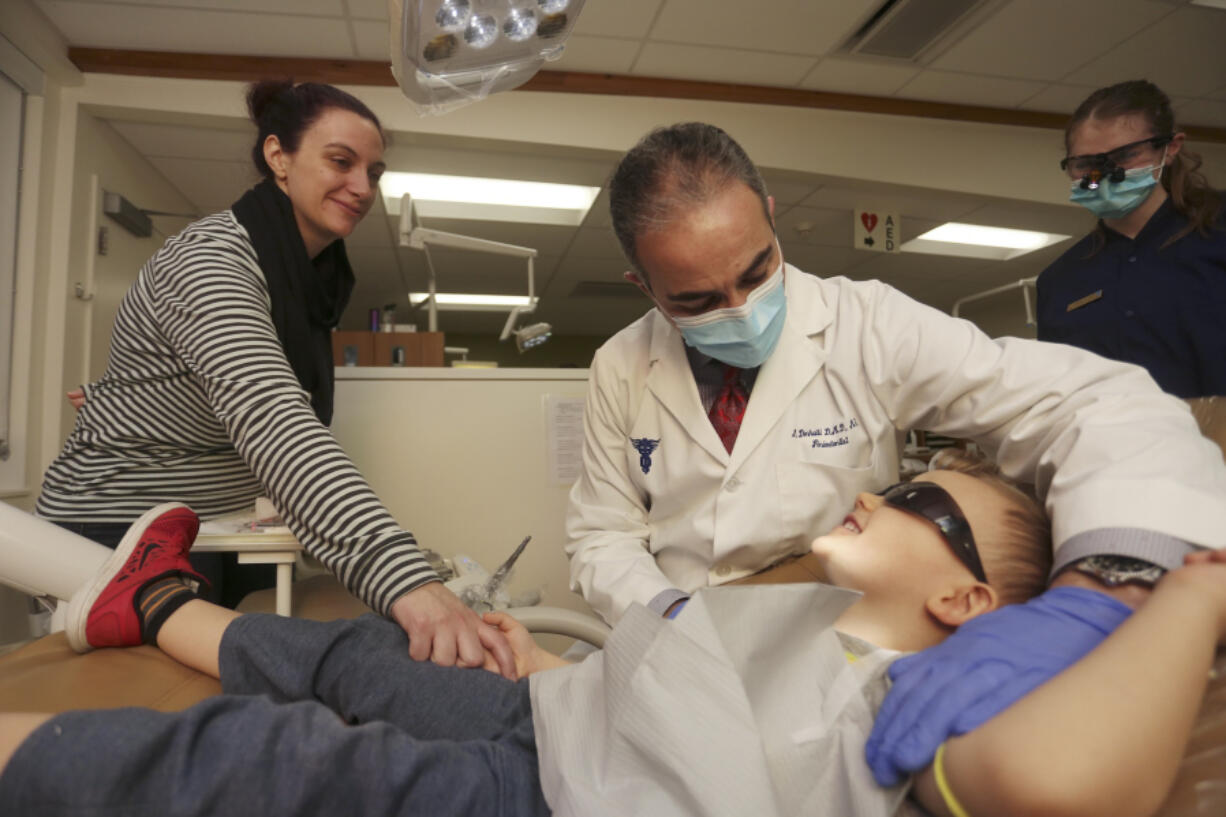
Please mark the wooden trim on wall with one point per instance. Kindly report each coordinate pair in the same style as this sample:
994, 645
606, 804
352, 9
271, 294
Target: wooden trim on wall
369, 72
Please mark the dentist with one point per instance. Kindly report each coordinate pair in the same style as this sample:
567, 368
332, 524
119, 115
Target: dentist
729, 426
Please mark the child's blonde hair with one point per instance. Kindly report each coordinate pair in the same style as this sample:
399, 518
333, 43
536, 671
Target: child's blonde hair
1017, 566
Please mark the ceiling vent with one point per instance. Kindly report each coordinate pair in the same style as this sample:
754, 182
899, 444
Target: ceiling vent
604, 289
904, 29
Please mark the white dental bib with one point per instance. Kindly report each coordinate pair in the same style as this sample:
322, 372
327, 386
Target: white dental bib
746, 703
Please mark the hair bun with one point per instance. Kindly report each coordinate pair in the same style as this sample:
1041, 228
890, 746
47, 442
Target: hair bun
263, 95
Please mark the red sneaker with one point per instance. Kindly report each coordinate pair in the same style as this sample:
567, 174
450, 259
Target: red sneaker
104, 613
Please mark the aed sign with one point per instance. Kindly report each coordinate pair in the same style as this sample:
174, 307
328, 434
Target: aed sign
876, 230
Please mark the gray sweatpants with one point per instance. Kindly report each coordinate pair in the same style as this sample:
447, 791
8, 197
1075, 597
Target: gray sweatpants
316, 718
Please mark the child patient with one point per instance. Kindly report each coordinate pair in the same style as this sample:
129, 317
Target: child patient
327, 718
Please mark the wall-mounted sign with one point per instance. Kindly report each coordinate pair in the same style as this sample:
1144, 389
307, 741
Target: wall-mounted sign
877, 230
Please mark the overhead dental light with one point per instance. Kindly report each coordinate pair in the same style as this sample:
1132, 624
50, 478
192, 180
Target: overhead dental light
412, 234
447, 53
532, 336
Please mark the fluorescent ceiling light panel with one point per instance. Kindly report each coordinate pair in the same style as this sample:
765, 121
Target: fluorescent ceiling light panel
979, 241
456, 301
470, 197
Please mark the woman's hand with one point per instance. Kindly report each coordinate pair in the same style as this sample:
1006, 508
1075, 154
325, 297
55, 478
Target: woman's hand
443, 630
76, 397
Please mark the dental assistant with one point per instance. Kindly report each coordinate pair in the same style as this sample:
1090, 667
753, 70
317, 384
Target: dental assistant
219, 385
1148, 285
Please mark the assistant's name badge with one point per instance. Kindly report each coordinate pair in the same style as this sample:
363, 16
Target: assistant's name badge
1080, 302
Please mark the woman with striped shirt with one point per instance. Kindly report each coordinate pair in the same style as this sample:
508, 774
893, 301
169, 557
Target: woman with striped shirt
219, 385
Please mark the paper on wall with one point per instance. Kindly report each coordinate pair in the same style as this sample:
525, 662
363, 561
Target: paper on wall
564, 435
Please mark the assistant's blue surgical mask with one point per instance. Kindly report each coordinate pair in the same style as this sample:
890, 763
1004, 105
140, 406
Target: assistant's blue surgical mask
1118, 199
742, 336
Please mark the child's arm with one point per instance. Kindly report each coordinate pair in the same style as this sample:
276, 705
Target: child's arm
1105, 736
529, 657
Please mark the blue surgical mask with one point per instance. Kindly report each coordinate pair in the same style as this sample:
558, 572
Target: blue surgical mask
1118, 199
742, 336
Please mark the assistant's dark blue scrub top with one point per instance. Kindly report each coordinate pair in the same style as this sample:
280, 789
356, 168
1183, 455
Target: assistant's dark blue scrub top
1134, 300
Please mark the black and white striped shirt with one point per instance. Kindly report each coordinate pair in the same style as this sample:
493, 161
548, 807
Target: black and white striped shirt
199, 405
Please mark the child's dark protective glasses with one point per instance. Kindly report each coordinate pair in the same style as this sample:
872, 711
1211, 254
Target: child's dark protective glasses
932, 502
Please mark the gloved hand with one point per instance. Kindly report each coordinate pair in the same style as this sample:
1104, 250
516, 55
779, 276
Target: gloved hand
985, 666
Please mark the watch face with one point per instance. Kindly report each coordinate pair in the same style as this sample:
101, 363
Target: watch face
1116, 570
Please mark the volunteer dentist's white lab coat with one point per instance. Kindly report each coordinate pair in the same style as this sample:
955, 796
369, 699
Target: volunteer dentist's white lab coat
660, 504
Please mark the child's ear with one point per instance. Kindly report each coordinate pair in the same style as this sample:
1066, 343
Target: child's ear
958, 604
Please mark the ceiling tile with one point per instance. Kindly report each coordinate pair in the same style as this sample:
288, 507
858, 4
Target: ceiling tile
210, 185
596, 55
593, 242
372, 40
812, 226
787, 187
913, 227
721, 65
1182, 53
617, 18
1047, 39
1058, 98
367, 9
967, 89
181, 141
153, 28
1201, 112
772, 26
912, 202
858, 76
599, 216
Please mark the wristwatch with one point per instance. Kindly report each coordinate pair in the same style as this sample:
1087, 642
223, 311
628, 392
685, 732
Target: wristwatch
1116, 570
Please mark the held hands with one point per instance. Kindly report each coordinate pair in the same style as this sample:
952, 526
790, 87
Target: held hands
443, 630
528, 655
984, 667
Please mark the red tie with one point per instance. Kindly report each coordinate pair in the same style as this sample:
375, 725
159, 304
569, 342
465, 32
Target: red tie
729, 407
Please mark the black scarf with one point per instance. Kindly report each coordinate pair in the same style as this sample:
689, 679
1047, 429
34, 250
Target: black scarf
307, 296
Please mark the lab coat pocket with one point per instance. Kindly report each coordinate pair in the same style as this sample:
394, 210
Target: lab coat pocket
814, 495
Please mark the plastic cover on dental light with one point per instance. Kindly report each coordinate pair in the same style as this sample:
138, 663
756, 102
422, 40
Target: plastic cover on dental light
448, 53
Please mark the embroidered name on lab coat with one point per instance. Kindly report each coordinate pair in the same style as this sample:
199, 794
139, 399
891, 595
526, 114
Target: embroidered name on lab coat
645, 447
829, 436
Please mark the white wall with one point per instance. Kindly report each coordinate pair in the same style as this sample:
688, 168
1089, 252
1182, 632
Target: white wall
104, 161
460, 458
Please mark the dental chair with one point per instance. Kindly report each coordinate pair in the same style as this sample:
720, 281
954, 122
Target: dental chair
45, 675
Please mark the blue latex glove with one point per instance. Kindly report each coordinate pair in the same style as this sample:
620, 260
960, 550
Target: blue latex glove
680, 606
985, 666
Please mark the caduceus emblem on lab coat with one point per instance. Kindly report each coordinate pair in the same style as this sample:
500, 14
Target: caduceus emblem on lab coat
645, 447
